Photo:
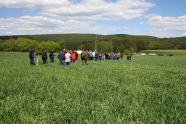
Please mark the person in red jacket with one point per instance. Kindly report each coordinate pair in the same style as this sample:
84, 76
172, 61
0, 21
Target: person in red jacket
73, 56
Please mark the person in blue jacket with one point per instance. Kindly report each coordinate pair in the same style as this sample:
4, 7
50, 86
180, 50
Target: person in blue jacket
61, 57
44, 56
51, 55
31, 56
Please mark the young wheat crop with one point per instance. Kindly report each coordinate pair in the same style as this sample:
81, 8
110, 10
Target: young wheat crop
143, 90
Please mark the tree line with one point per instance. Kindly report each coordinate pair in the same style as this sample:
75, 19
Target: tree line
117, 43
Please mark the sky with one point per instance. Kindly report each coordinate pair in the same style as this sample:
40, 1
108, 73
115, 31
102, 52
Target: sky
159, 18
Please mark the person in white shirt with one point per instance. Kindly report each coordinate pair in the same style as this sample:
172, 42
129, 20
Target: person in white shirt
67, 57
93, 55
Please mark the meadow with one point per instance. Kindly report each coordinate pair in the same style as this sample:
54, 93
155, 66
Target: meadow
146, 89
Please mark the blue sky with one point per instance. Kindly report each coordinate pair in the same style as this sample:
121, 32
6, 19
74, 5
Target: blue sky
159, 18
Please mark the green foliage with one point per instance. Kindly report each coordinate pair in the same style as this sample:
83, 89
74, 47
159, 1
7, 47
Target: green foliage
144, 90
142, 45
1, 45
87, 41
104, 46
9, 45
129, 51
61, 43
50, 45
154, 45
131, 45
24, 44
126, 52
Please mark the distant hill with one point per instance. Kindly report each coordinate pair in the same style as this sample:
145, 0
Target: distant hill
77, 37
119, 42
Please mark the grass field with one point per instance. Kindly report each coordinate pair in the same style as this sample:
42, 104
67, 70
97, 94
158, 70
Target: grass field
147, 89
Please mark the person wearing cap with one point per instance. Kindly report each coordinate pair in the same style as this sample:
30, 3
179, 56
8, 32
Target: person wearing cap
31, 56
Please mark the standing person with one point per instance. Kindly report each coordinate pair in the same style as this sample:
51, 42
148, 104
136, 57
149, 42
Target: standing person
90, 55
61, 57
51, 55
76, 55
118, 56
106, 55
96, 55
84, 57
73, 56
93, 55
129, 57
44, 56
67, 57
31, 56
100, 56
111, 55
121, 55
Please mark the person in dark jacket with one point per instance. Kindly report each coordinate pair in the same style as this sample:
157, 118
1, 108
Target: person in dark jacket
96, 55
44, 56
31, 56
76, 55
129, 57
84, 57
61, 57
51, 55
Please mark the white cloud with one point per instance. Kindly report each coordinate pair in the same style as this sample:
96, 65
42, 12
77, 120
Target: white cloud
101, 10
80, 16
86, 9
184, 34
168, 23
44, 25
150, 15
167, 26
33, 4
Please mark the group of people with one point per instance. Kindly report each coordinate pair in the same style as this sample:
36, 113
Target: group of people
65, 57
45, 57
69, 56
103, 56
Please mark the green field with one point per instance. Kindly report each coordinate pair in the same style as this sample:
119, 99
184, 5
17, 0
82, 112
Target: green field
147, 89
